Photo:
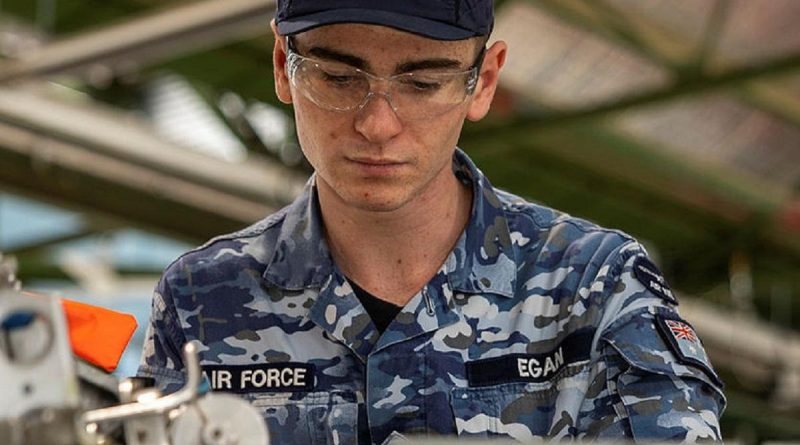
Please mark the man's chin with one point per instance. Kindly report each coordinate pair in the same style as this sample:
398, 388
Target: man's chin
373, 202
379, 206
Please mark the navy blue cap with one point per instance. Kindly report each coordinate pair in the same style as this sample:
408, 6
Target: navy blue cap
437, 19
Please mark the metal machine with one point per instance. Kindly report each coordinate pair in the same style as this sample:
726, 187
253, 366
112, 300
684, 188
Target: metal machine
51, 398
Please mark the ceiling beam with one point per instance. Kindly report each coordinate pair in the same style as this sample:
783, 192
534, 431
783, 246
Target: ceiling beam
709, 42
601, 149
703, 189
648, 39
680, 89
127, 47
109, 133
757, 85
46, 243
74, 177
669, 49
114, 165
774, 99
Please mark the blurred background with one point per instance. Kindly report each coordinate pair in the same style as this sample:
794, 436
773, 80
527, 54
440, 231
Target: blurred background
134, 130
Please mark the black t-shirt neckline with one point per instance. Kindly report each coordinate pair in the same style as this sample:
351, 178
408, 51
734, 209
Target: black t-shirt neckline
380, 311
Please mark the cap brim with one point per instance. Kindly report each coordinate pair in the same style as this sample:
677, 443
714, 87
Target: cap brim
424, 27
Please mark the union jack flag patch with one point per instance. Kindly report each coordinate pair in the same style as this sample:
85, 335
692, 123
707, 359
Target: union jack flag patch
681, 330
684, 343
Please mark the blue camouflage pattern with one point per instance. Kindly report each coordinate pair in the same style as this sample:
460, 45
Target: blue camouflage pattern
521, 285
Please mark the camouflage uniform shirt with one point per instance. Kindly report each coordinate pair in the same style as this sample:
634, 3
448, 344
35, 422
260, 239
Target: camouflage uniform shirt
537, 325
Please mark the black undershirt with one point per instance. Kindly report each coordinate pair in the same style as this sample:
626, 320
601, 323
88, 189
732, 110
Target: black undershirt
381, 312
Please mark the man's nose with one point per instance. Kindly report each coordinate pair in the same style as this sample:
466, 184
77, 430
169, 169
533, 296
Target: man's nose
377, 120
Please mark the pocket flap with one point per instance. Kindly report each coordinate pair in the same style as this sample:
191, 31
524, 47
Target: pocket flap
661, 343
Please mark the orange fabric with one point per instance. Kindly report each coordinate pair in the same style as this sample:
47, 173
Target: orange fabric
98, 335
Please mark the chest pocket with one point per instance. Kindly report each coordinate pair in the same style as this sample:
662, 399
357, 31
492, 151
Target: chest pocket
319, 418
521, 410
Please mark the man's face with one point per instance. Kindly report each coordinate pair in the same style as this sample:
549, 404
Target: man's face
369, 158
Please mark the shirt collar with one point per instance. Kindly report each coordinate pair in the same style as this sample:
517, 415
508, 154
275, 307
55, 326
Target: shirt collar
482, 260
301, 258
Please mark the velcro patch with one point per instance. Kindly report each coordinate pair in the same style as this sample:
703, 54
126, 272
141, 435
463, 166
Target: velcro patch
685, 344
648, 274
268, 377
530, 367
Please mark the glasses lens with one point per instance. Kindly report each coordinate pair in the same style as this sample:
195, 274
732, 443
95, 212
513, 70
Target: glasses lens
417, 95
330, 86
425, 95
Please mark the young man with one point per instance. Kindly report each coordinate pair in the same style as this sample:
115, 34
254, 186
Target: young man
401, 293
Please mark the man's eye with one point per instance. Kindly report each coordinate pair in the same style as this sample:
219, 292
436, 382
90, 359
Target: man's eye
427, 86
423, 85
341, 79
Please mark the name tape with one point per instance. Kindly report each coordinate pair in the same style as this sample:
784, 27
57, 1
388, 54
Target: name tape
530, 367
268, 377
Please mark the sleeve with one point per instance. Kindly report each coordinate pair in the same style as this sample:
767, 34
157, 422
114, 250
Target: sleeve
658, 376
162, 359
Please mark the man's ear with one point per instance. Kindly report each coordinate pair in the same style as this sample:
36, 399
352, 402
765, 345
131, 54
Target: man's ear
493, 61
282, 88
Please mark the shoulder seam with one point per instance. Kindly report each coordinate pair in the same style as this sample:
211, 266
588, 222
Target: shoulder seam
252, 231
563, 219
622, 257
